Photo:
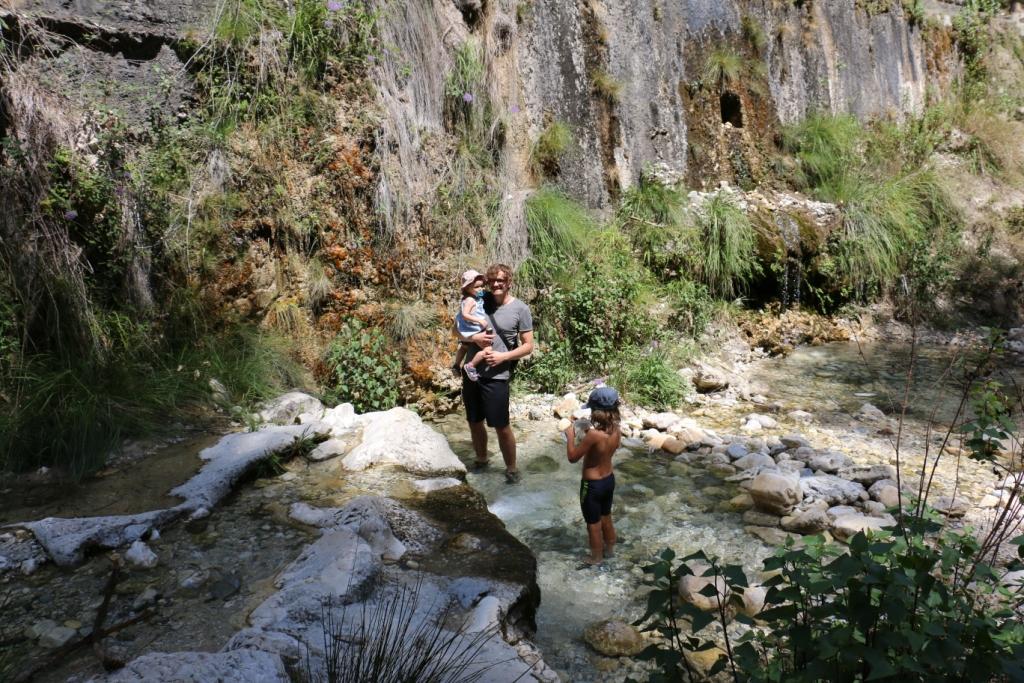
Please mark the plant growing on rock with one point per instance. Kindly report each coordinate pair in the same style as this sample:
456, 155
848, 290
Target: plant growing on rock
722, 246
652, 215
550, 146
557, 228
363, 369
606, 86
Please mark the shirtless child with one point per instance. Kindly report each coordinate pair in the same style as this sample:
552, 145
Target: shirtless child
598, 485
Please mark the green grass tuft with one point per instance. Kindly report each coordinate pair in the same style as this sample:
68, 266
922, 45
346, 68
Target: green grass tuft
753, 33
606, 86
557, 229
648, 379
551, 145
652, 215
723, 246
723, 65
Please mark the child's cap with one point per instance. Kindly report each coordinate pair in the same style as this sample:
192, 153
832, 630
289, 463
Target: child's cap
470, 276
603, 398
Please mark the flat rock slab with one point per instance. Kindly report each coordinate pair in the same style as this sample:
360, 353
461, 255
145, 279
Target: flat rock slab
237, 666
235, 455
832, 489
399, 437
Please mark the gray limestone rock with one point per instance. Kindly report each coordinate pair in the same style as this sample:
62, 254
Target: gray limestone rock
775, 492
867, 475
832, 489
237, 666
829, 462
846, 526
285, 408
754, 460
613, 638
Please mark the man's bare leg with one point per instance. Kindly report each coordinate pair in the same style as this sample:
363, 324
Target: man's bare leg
478, 433
507, 444
608, 535
594, 539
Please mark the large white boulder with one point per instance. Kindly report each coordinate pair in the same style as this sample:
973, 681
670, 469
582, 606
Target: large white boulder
237, 666
775, 492
399, 437
285, 408
847, 526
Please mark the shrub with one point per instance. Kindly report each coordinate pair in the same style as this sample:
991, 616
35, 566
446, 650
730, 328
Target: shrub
364, 369
550, 369
606, 86
691, 306
911, 607
596, 318
723, 254
557, 229
648, 379
549, 148
753, 33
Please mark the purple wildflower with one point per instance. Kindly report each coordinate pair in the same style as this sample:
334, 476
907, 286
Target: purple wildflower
328, 24
371, 58
334, 6
70, 215
514, 109
467, 97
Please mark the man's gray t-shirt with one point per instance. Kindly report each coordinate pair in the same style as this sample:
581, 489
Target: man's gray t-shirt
509, 321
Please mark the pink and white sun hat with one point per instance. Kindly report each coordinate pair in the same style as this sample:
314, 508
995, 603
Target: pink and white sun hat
471, 276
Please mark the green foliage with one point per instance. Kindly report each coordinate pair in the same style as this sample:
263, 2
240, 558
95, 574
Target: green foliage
466, 98
551, 368
753, 33
691, 306
993, 422
722, 246
973, 35
606, 86
72, 413
407, 319
551, 145
648, 379
364, 369
913, 607
557, 228
652, 215
914, 11
594, 320
722, 66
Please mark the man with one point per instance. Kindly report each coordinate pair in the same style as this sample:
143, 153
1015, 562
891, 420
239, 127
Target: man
487, 399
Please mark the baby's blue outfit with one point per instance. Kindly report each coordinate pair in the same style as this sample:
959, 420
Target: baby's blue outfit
466, 328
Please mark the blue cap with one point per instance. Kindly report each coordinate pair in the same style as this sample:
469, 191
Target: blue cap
603, 398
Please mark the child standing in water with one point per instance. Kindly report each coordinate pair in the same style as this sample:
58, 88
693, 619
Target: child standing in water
470, 320
598, 484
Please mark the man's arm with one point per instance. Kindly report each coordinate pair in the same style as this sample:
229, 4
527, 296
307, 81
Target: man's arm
524, 349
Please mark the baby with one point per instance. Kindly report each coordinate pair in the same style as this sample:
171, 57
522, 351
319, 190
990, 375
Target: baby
471, 319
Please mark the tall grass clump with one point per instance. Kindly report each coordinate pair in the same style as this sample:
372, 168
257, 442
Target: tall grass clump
652, 215
550, 146
648, 379
557, 229
606, 86
723, 246
722, 66
397, 639
753, 33
74, 414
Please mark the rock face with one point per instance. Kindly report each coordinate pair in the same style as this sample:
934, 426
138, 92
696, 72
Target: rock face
399, 437
775, 492
614, 638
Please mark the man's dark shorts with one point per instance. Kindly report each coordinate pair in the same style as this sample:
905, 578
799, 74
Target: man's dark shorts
486, 399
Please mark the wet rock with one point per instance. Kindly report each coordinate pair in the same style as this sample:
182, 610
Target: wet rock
437, 484
567, 406
690, 588
799, 416
951, 507
691, 436
794, 441
464, 543
758, 518
673, 445
399, 437
194, 580
754, 460
661, 421
771, 535
285, 408
806, 521
140, 555
867, 475
707, 380
67, 540
869, 413
766, 421
832, 489
721, 470
753, 600
775, 492
736, 451
740, 502
655, 440
58, 636
614, 638
829, 462
39, 628
236, 666
145, 599
326, 450
846, 526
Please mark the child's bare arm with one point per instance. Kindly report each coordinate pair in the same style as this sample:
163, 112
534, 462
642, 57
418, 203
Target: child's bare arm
574, 452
